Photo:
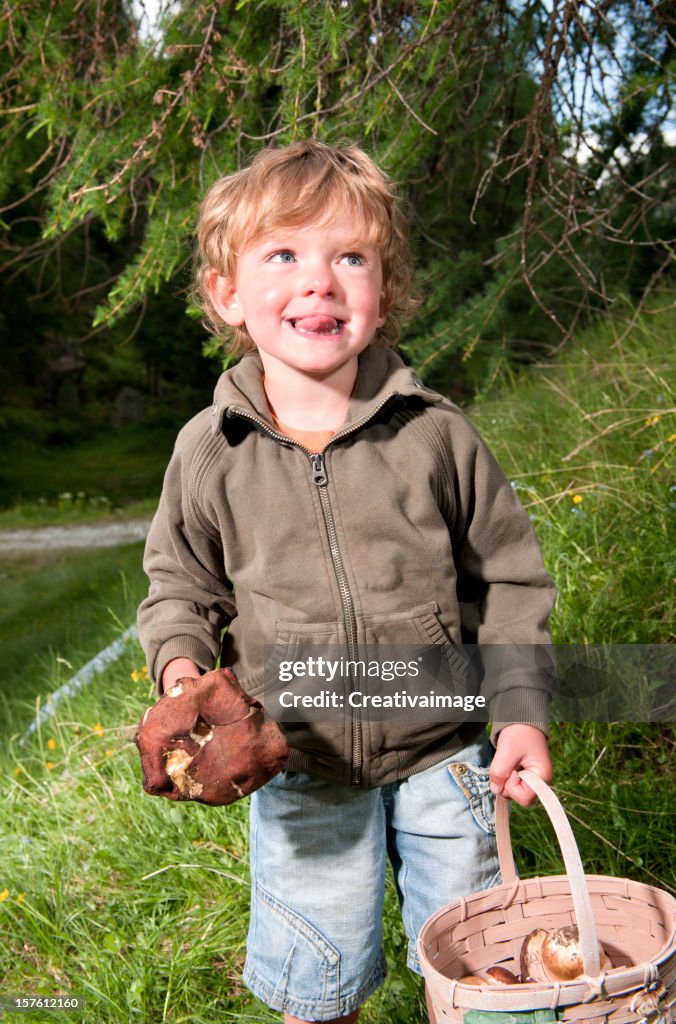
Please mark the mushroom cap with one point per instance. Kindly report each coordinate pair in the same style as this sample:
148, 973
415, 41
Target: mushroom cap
562, 954
177, 763
206, 739
555, 955
498, 975
531, 955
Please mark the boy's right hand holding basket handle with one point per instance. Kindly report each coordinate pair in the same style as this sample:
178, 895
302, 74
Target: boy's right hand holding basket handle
519, 746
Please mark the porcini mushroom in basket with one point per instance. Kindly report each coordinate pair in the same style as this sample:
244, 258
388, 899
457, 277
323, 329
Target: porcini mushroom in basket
555, 955
495, 975
531, 953
498, 975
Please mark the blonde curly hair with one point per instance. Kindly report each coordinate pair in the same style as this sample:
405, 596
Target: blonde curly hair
291, 187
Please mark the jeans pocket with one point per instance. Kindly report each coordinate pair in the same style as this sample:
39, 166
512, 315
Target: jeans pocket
473, 783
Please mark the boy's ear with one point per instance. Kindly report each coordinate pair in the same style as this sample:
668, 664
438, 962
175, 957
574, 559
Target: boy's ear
225, 299
384, 310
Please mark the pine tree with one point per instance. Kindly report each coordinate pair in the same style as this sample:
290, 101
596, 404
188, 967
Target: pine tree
483, 110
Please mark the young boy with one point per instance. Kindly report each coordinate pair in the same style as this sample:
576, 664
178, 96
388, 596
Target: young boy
329, 497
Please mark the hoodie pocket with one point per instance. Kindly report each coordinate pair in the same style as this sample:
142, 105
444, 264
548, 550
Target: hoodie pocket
255, 683
388, 636
421, 626
426, 695
458, 661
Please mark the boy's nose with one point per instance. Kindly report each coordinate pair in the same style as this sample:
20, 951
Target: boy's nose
319, 280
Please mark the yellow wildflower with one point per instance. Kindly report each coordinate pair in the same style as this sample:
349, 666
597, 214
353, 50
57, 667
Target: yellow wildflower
672, 437
17, 771
21, 897
577, 498
51, 744
109, 753
98, 729
4, 894
135, 675
145, 670
50, 765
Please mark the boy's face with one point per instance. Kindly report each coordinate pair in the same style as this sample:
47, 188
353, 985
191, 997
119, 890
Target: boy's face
310, 296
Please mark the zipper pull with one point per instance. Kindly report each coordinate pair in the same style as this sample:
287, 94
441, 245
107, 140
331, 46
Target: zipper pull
319, 476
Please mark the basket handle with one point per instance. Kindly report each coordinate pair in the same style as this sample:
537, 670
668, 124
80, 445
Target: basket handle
584, 914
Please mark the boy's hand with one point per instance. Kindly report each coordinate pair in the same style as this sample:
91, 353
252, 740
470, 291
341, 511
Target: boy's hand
519, 746
178, 668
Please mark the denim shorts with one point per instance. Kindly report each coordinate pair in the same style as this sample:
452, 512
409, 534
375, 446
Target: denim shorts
318, 859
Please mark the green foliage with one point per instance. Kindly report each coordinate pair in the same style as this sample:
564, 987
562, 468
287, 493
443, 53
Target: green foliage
476, 107
141, 906
73, 509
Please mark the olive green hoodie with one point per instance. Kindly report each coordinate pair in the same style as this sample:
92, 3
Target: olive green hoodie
403, 529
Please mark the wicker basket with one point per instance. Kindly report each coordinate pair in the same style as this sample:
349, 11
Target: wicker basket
634, 922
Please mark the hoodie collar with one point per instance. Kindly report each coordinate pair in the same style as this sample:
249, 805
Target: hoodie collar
382, 375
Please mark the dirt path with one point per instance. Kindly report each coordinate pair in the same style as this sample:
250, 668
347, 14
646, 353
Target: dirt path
55, 538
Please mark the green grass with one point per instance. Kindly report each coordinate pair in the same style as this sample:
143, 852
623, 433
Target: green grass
141, 905
69, 509
57, 613
138, 904
589, 446
124, 464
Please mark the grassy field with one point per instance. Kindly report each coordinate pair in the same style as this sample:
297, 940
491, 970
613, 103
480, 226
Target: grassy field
120, 466
73, 509
589, 444
140, 905
57, 612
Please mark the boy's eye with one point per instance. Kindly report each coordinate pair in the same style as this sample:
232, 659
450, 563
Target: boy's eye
283, 256
353, 259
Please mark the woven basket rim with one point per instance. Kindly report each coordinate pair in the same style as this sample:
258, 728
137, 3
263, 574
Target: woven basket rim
522, 882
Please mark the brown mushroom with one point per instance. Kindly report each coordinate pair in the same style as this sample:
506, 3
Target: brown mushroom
471, 979
531, 953
206, 739
498, 975
556, 956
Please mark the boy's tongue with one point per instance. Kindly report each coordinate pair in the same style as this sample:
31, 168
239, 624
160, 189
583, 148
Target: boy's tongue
320, 324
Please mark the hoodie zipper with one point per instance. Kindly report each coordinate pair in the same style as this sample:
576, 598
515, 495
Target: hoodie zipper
320, 479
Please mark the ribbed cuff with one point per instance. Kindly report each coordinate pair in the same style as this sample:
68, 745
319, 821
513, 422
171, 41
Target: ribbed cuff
181, 647
521, 705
